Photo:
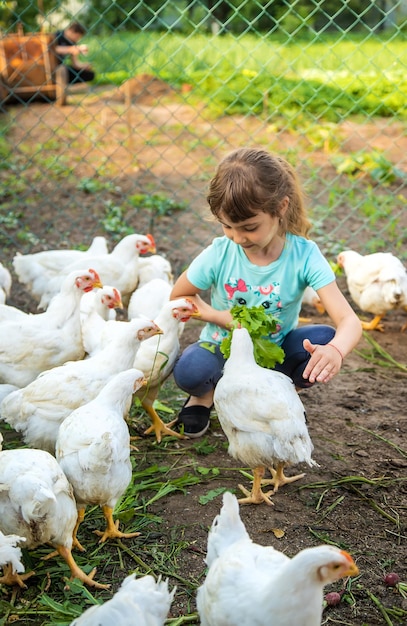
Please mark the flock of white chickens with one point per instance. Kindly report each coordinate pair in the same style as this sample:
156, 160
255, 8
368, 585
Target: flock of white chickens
67, 380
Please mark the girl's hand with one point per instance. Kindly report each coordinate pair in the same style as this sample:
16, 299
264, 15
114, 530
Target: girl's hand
208, 314
325, 362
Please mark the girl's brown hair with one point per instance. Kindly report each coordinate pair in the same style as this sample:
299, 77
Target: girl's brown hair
251, 180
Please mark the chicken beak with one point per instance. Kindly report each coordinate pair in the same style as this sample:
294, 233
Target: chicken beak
320, 307
352, 570
140, 382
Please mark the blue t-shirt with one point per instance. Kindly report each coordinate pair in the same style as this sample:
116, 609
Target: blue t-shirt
224, 268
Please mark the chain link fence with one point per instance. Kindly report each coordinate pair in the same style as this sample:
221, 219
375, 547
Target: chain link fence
181, 83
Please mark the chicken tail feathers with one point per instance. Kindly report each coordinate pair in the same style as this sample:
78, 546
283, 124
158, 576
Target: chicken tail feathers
227, 528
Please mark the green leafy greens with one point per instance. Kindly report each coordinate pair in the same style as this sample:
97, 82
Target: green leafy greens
259, 324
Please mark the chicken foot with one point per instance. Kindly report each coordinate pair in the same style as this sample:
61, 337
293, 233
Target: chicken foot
374, 324
76, 571
256, 495
158, 426
12, 578
279, 478
112, 528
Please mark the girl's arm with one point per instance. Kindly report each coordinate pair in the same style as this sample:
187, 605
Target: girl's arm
183, 288
326, 360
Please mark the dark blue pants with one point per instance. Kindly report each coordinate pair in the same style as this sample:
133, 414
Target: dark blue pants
200, 366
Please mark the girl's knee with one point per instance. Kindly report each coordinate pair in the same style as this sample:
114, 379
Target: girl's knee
198, 369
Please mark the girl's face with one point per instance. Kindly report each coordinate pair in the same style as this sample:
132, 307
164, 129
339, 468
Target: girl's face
255, 234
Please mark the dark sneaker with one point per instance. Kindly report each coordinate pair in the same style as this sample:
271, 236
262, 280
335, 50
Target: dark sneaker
194, 419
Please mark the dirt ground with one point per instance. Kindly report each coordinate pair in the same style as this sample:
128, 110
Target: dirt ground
356, 498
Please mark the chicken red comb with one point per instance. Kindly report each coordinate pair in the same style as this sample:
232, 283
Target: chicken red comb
95, 275
151, 238
347, 556
117, 295
194, 307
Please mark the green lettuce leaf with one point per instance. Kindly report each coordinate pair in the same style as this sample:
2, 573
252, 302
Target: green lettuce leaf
259, 324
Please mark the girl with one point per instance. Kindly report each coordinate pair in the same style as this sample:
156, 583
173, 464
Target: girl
264, 258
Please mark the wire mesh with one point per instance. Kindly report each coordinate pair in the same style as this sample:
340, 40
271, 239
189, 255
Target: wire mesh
181, 83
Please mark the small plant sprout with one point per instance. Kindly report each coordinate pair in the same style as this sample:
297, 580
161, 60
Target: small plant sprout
392, 579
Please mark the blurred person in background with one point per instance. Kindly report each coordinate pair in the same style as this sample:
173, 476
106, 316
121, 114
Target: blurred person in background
67, 45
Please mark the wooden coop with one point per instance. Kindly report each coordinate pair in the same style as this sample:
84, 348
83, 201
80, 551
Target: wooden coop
29, 68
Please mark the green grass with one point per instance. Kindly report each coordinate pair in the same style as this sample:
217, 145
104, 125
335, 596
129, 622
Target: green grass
54, 600
327, 77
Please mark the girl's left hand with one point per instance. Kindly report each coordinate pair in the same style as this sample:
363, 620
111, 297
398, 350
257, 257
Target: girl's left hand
324, 363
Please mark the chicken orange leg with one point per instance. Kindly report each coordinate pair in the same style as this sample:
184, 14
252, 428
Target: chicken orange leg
256, 495
279, 478
112, 528
75, 541
158, 426
12, 578
76, 571
374, 324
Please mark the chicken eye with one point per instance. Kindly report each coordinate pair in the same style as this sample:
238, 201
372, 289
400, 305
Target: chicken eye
266, 304
241, 301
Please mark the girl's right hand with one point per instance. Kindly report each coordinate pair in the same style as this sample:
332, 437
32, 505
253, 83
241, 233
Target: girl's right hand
208, 314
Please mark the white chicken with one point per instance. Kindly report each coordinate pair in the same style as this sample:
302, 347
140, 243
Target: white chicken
149, 299
5, 283
142, 601
252, 585
36, 270
96, 308
10, 560
5, 390
12, 313
37, 503
93, 449
38, 409
156, 358
262, 417
34, 343
118, 268
377, 284
155, 266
